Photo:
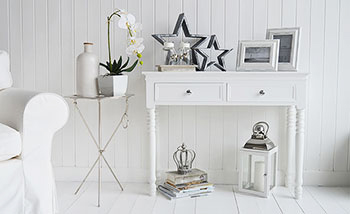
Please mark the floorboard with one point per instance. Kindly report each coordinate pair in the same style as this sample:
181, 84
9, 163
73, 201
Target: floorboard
268, 205
185, 206
126, 200
245, 202
344, 199
87, 203
253, 204
163, 205
222, 199
328, 198
286, 201
144, 203
225, 200
309, 204
66, 196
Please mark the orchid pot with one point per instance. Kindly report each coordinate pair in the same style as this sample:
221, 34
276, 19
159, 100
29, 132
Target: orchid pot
113, 85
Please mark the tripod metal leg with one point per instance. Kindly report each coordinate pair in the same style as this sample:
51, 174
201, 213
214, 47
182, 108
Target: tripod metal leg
99, 157
110, 169
99, 181
87, 175
98, 142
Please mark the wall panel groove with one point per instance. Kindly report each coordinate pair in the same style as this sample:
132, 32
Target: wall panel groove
5, 23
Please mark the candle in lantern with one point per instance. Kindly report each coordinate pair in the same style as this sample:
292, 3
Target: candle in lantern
259, 175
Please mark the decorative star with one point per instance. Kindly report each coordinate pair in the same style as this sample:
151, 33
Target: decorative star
182, 22
220, 63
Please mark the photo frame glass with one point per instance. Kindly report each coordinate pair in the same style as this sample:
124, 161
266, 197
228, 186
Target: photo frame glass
289, 46
286, 44
257, 55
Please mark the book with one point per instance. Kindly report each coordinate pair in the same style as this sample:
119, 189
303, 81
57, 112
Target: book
171, 195
195, 175
189, 188
172, 198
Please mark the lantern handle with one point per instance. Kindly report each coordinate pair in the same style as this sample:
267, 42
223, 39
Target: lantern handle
264, 123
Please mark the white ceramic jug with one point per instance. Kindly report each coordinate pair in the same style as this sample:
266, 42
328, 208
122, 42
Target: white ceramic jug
87, 72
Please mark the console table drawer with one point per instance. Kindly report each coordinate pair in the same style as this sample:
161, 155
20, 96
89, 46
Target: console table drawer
189, 92
262, 92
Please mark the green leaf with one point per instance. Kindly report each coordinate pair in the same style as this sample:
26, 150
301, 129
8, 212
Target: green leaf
125, 64
119, 62
114, 66
131, 67
109, 66
104, 65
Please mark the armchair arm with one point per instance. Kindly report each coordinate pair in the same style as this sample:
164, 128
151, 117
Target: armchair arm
37, 116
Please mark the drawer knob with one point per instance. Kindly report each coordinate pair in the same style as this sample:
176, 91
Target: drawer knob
189, 92
262, 92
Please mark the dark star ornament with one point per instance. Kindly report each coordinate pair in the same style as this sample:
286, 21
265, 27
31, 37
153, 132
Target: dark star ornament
220, 62
182, 23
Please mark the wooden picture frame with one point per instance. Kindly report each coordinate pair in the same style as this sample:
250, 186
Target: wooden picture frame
258, 55
289, 46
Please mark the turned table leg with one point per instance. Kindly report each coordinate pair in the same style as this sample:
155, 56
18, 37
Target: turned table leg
158, 173
152, 152
291, 126
299, 151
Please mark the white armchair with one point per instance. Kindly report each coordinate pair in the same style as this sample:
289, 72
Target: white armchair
28, 122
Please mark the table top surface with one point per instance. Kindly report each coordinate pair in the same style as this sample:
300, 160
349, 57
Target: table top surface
227, 73
100, 97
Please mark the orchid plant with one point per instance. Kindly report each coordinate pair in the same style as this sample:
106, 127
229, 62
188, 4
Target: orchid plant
134, 44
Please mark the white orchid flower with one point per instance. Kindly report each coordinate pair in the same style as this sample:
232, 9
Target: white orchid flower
137, 27
134, 29
136, 41
135, 47
126, 20
122, 11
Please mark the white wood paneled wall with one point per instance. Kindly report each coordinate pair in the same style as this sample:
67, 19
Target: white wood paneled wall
44, 37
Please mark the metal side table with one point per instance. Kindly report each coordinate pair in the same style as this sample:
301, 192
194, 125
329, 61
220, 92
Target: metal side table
124, 121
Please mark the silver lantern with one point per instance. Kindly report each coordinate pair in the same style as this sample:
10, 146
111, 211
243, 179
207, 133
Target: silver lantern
258, 161
184, 158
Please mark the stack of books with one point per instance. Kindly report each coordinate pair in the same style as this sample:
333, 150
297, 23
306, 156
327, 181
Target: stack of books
192, 184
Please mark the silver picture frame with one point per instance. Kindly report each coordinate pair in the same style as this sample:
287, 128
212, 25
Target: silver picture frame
289, 46
258, 55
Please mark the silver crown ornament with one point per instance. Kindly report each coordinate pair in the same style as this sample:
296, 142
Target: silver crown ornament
184, 158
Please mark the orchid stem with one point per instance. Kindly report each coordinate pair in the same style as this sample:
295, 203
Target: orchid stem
109, 18
109, 45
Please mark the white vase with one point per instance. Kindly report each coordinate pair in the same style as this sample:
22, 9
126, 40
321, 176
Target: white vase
87, 72
113, 85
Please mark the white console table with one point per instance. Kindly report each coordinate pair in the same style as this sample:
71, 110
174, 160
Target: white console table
287, 89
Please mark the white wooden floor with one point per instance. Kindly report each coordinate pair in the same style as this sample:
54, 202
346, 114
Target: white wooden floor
225, 199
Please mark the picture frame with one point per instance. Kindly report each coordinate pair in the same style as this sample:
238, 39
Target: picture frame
258, 55
289, 46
